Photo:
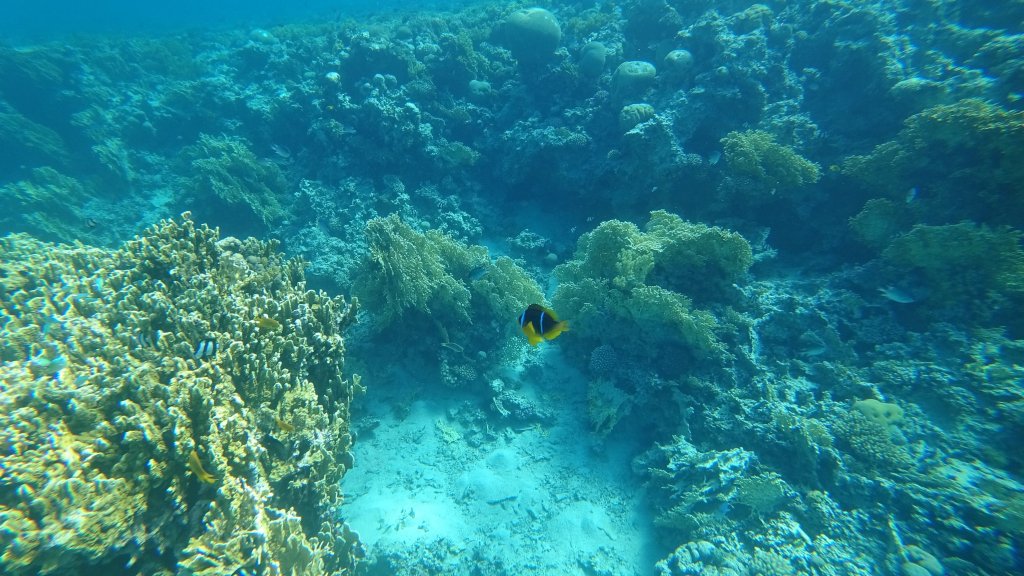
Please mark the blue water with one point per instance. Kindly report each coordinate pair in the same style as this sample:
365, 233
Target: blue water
27, 21
777, 250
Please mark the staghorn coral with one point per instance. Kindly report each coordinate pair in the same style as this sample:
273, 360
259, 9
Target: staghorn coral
118, 453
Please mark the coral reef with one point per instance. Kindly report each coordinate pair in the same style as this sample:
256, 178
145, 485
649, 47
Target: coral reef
971, 272
227, 176
770, 166
449, 296
126, 447
178, 404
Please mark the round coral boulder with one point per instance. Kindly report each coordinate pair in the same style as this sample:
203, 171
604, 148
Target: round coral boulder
531, 34
633, 78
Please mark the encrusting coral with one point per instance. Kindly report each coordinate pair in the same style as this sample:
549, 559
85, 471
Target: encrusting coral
126, 447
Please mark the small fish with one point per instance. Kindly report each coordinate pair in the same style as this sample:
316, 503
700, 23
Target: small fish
911, 195
205, 349
539, 323
196, 466
897, 295
281, 151
147, 340
714, 157
477, 272
453, 347
91, 223
284, 426
267, 323
48, 366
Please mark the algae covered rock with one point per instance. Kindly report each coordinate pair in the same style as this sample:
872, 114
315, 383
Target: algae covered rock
128, 444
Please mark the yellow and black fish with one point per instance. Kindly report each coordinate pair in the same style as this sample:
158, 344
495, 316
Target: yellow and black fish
540, 323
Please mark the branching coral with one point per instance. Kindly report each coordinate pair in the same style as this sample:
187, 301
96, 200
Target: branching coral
756, 155
226, 174
641, 283
454, 290
970, 270
410, 271
44, 203
966, 158
122, 451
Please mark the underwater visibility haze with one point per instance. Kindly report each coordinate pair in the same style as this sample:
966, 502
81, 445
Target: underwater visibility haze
650, 287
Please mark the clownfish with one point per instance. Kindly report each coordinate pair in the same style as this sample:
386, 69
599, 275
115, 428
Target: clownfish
540, 323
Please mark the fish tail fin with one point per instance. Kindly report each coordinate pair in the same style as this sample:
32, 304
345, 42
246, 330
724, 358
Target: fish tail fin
557, 330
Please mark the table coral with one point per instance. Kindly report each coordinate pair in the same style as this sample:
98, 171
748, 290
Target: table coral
102, 430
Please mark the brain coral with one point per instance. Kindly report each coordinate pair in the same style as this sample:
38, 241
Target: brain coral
531, 34
121, 449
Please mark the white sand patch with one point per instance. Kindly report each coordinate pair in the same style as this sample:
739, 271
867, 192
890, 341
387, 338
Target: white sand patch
431, 494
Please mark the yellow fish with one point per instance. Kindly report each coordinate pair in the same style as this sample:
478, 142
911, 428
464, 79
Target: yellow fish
197, 468
284, 426
267, 323
539, 323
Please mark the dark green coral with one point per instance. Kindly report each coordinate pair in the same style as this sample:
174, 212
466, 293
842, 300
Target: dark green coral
225, 175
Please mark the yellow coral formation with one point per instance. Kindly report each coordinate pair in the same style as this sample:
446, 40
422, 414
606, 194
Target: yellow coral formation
771, 166
102, 434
